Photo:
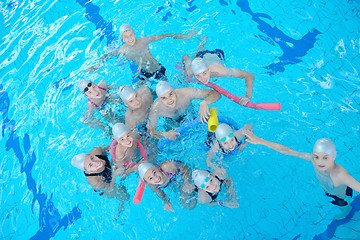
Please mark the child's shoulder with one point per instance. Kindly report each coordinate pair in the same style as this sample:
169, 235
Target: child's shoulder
169, 165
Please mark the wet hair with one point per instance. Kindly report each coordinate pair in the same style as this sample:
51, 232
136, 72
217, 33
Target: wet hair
103, 157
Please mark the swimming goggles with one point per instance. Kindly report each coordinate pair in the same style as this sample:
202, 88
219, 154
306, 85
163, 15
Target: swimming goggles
226, 138
205, 180
87, 88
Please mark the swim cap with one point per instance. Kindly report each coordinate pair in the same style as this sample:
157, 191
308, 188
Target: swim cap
124, 28
119, 129
78, 161
198, 65
126, 92
223, 130
199, 178
142, 168
83, 84
163, 87
325, 145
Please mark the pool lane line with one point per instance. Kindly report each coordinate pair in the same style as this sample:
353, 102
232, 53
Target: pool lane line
291, 54
330, 230
50, 220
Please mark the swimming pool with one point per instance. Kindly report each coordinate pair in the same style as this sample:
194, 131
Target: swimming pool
304, 54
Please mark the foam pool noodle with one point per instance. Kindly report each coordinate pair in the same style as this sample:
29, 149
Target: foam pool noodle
213, 121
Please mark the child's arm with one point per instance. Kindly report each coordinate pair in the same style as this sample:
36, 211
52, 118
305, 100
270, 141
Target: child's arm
252, 138
162, 195
104, 58
348, 180
211, 154
175, 36
249, 79
152, 124
185, 171
239, 134
210, 96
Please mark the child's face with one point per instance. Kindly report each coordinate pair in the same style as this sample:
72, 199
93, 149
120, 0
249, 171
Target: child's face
203, 77
129, 37
93, 91
323, 161
213, 185
169, 99
153, 176
229, 144
93, 164
134, 102
126, 140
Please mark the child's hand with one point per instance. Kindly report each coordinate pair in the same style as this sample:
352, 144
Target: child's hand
220, 172
204, 112
94, 68
244, 101
168, 207
229, 204
171, 135
188, 188
187, 36
251, 137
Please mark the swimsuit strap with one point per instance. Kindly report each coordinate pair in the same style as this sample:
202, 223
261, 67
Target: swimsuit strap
103, 89
94, 104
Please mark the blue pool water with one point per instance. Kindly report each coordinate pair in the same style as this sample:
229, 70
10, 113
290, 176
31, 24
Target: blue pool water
304, 54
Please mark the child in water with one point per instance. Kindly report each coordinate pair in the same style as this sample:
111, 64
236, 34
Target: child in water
160, 178
333, 178
208, 185
124, 148
99, 99
226, 141
138, 51
208, 64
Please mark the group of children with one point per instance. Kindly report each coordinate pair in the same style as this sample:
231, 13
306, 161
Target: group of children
141, 131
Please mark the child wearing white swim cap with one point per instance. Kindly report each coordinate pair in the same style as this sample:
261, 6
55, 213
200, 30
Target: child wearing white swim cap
173, 103
160, 177
137, 50
163, 87
126, 93
138, 104
333, 178
123, 148
226, 141
207, 64
209, 187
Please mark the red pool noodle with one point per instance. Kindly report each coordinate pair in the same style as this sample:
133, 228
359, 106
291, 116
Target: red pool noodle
141, 187
232, 97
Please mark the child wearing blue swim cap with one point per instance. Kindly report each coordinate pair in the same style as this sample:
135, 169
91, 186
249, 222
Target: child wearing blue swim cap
333, 178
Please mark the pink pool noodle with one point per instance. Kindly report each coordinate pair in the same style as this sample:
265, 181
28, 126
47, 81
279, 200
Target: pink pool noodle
232, 97
141, 186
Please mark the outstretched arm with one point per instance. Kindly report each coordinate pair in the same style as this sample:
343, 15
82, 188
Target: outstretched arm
162, 195
210, 96
249, 79
174, 35
252, 138
348, 180
104, 58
